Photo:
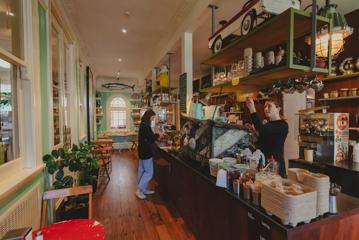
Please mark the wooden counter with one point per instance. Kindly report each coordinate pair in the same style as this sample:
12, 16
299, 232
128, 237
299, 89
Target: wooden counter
215, 213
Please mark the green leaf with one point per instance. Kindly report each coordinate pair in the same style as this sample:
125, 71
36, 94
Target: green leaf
59, 175
74, 148
47, 158
58, 185
51, 169
68, 181
55, 153
62, 153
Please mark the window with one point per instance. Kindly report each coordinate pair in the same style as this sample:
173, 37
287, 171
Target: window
10, 24
56, 88
9, 148
118, 113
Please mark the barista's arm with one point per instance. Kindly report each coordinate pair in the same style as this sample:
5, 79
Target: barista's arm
254, 116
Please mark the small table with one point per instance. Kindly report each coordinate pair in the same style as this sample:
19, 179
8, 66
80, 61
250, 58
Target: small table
79, 229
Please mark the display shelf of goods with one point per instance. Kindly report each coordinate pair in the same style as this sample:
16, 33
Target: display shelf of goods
340, 77
163, 90
282, 30
338, 98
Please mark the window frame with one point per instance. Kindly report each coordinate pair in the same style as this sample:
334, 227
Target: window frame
109, 108
29, 160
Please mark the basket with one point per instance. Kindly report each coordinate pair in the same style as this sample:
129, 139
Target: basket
319, 182
291, 209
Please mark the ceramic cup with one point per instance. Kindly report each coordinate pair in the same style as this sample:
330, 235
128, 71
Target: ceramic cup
270, 59
248, 52
308, 155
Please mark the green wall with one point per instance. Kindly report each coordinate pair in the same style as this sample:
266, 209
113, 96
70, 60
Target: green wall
104, 97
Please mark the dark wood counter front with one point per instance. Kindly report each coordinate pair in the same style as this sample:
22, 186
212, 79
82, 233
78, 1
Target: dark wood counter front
215, 213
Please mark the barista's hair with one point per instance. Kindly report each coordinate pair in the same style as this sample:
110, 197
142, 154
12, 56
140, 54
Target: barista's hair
146, 118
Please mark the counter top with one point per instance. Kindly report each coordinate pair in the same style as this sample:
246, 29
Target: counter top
345, 203
346, 165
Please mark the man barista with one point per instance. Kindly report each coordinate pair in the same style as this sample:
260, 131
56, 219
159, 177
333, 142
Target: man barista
271, 135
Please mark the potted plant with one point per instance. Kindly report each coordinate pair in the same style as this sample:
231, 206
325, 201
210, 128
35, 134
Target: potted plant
78, 159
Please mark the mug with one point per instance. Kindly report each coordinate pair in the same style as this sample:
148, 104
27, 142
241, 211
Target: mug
270, 58
308, 155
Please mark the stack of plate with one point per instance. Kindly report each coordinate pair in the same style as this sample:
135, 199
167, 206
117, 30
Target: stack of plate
318, 181
248, 61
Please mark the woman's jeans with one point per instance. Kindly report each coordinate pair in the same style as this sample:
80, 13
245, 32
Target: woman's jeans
145, 173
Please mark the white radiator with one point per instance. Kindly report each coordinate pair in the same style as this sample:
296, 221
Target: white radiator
24, 213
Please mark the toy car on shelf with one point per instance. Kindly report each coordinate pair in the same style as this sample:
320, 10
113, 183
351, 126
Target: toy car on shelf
253, 13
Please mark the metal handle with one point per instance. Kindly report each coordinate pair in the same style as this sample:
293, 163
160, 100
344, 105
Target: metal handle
250, 215
265, 225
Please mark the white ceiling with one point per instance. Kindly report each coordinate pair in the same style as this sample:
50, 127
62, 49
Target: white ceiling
99, 24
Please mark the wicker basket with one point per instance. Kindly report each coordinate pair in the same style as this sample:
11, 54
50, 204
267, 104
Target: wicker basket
291, 209
320, 182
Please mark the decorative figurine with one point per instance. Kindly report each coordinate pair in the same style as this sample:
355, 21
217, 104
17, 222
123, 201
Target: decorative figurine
347, 66
280, 56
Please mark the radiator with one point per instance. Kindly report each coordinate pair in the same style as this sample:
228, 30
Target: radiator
24, 213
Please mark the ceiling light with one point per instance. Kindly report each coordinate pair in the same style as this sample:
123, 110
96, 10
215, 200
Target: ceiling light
4, 64
127, 13
340, 30
124, 30
120, 59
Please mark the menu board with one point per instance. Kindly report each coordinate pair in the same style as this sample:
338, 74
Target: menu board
183, 92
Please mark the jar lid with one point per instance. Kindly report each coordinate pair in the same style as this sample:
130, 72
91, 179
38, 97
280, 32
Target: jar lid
344, 89
353, 88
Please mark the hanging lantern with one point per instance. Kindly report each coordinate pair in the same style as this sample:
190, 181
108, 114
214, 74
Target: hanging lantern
340, 31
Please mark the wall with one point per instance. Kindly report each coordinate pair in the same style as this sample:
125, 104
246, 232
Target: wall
104, 97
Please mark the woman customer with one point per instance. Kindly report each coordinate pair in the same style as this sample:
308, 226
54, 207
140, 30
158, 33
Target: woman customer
272, 134
146, 141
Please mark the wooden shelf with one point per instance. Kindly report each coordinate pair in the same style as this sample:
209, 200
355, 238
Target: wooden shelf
220, 95
345, 76
233, 112
280, 30
270, 34
163, 90
263, 79
338, 98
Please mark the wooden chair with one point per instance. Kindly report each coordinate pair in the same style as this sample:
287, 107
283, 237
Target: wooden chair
65, 192
104, 162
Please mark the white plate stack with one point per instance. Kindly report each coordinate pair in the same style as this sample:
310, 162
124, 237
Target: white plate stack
319, 182
248, 61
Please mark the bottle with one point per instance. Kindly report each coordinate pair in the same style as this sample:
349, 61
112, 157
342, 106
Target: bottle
39, 236
356, 152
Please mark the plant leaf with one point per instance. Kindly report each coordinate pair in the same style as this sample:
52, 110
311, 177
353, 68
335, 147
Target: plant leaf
68, 181
47, 158
59, 175
55, 153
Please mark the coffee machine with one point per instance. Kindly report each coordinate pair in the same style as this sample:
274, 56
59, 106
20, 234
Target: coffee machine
327, 134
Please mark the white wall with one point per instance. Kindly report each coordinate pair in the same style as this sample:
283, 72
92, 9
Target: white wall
291, 104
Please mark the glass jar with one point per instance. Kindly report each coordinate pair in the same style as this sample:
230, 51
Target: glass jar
343, 92
334, 94
353, 91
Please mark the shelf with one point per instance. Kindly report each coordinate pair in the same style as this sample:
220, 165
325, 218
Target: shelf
220, 95
135, 100
233, 112
163, 90
253, 82
99, 123
338, 98
270, 34
345, 76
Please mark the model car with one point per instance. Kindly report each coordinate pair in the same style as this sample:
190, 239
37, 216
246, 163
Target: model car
253, 13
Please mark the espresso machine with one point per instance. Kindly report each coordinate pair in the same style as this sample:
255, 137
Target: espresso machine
325, 133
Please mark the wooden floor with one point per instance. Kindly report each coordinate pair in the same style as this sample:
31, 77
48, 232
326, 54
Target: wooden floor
126, 217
